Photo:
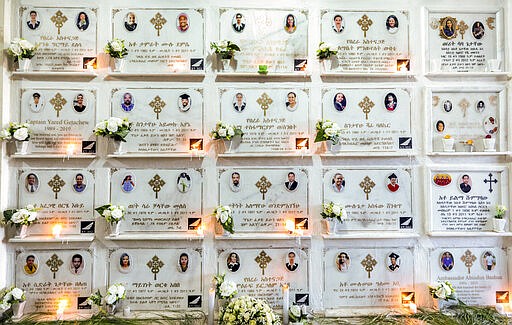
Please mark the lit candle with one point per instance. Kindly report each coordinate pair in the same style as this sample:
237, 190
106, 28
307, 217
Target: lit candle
413, 308
56, 231
200, 231
63, 303
290, 226
70, 150
211, 305
286, 303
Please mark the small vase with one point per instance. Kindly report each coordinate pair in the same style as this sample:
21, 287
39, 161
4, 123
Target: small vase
226, 64
17, 309
22, 232
114, 228
118, 147
468, 147
115, 307
21, 147
119, 65
327, 63
329, 226
448, 144
498, 225
442, 305
332, 147
231, 146
489, 144
24, 65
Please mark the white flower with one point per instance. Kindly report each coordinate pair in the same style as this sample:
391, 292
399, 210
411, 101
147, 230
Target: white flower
112, 126
101, 125
113, 289
116, 46
5, 305
117, 214
110, 299
5, 134
17, 293
30, 207
295, 310
17, 217
330, 132
222, 132
15, 49
224, 217
336, 209
231, 132
227, 288
443, 291
120, 291
21, 134
26, 45
223, 44
107, 213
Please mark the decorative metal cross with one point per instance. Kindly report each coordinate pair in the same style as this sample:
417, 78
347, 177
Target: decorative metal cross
56, 183
58, 102
156, 183
157, 104
263, 259
490, 181
263, 184
463, 27
366, 104
468, 258
155, 264
264, 102
59, 19
464, 104
159, 22
367, 184
54, 263
365, 23
368, 263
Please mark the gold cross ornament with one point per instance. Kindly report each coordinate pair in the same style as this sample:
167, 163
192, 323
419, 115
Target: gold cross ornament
365, 23
54, 263
156, 183
263, 259
155, 264
464, 104
157, 104
368, 263
58, 102
468, 258
264, 102
463, 27
263, 184
366, 104
56, 183
159, 22
59, 19
367, 184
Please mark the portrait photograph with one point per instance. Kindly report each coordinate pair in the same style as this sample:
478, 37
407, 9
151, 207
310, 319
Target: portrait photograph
338, 183
390, 102
128, 183
440, 126
448, 28
127, 102
393, 263
338, 24
33, 21
31, 264
480, 106
238, 22
76, 264
342, 262
340, 102
79, 104
478, 30
184, 102
79, 183
291, 261
465, 183
490, 125
183, 262
36, 102
447, 106
32, 183
239, 102
234, 183
291, 101
392, 24
125, 263
392, 183
183, 182
233, 262
82, 21
446, 260
130, 22
488, 260
291, 183
290, 24
182, 22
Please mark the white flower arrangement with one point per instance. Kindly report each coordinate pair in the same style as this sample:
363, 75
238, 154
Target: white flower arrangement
297, 314
327, 130
115, 293
21, 49
11, 296
442, 290
111, 213
325, 51
248, 310
114, 127
95, 299
224, 289
333, 210
223, 215
116, 49
499, 211
16, 131
19, 217
225, 131
226, 49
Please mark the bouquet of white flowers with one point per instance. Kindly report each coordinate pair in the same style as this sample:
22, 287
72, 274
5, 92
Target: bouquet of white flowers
95, 299
10, 296
116, 49
21, 49
115, 293
325, 51
226, 49
225, 131
223, 215
115, 128
297, 314
247, 310
18, 217
442, 290
16, 131
499, 211
111, 213
224, 289
327, 130
333, 211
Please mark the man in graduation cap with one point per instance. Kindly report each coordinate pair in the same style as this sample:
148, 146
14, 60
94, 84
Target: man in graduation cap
393, 185
393, 258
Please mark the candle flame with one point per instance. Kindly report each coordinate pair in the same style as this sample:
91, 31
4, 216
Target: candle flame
56, 230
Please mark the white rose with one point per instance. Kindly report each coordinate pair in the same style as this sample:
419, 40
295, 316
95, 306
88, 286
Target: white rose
101, 125
21, 134
116, 46
17, 217
17, 293
107, 213
227, 208
112, 290
327, 124
336, 209
231, 132
227, 288
5, 306
30, 207
112, 126
26, 45
5, 134
224, 217
223, 44
120, 291
117, 214
295, 310
110, 299
222, 132
330, 132
15, 49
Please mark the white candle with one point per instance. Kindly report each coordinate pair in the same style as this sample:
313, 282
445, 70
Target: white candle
211, 305
60, 314
56, 231
413, 308
127, 311
286, 303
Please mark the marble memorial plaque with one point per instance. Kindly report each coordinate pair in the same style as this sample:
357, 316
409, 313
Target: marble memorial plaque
374, 199
161, 40
65, 196
464, 41
464, 199
367, 41
263, 199
271, 119
469, 115
260, 273
66, 37
371, 119
476, 273
272, 37
60, 119
50, 276
367, 277
163, 119
158, 200
158, 279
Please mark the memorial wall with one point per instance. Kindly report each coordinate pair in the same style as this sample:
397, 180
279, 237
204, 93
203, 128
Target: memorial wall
420, 92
